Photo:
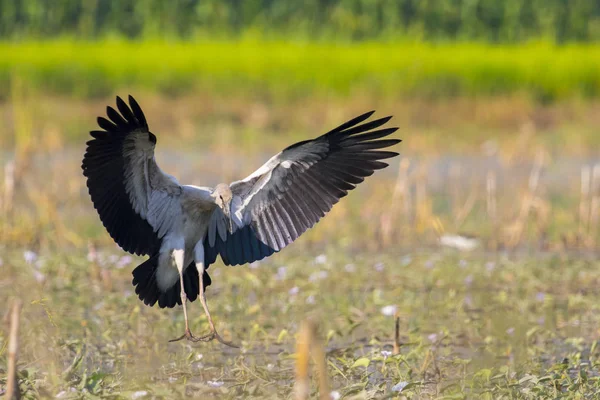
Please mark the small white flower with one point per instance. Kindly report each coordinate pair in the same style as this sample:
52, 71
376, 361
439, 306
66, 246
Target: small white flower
197, 366
399, 387
29, 256
139, 394
379, 267
386, 354
510, 331
432, 337
310, 299
317, 276
469, 280
389, 311
321, 259
335, 395
281, 272
215, 384
39, 277
294, 291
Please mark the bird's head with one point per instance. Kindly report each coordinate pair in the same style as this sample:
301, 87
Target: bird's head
222, 197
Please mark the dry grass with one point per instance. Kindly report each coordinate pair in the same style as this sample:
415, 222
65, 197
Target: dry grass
494, 322
517, 186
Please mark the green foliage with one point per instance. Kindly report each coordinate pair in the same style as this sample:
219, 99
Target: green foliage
283, 69
489, 20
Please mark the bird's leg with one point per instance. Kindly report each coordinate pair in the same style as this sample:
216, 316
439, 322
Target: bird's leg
213, 331
199, 255
178, 256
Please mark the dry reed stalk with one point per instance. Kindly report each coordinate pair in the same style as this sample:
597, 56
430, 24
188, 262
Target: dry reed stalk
455, 174
302, 387
401, 192
491, 205
401, 189
423, 211
407, 201
397, 343
466, 209
23, 117
584, 202
308, 342
594, 204
491, 195
12, 384
528, 200
9, 187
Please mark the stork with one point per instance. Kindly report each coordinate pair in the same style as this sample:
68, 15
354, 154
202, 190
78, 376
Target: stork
184, 228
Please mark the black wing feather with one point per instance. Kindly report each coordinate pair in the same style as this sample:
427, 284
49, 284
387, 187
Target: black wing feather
104, 167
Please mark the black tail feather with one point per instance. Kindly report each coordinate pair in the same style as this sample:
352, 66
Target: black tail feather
144, 280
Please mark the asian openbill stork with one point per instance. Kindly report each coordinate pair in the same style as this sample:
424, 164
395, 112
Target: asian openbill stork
184, 228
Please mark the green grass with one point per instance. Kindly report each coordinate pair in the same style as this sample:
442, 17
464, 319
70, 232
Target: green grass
282, 70
477, 326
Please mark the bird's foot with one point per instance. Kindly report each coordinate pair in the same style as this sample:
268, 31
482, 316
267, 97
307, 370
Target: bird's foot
211, 336
187, 335
205, 338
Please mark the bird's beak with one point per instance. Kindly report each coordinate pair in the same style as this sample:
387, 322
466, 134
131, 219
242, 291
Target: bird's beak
227, 212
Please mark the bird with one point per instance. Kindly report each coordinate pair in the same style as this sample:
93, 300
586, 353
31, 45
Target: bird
185, 228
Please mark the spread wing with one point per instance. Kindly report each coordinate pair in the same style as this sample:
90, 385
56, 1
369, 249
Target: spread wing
134, 198
293, 190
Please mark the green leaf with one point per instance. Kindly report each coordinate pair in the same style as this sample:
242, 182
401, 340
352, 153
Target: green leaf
361, 362
282, 335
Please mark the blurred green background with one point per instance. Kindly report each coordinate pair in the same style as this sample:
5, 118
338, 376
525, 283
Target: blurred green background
506, 21
482, 238
411, 48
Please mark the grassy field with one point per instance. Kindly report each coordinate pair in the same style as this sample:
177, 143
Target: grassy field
514, 176
486, 326
515, 318
283, 70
